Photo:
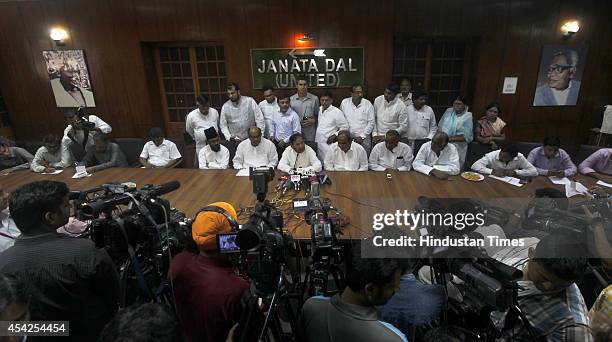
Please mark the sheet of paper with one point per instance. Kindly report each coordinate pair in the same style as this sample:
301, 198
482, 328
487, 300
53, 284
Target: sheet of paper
243, 173
604, 184
559, 181
81, 175
574, 189
54, 172
510, 180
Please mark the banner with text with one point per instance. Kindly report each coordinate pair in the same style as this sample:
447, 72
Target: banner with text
323, 67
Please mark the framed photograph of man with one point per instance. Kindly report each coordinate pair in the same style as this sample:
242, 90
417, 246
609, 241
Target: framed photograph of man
69, 78
560, 74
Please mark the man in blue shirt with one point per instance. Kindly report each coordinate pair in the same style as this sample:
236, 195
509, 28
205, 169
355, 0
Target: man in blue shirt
285, 123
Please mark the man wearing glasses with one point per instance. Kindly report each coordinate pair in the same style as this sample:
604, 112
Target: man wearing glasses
561, 89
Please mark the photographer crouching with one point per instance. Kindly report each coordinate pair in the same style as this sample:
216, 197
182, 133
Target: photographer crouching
69, 279
207, 292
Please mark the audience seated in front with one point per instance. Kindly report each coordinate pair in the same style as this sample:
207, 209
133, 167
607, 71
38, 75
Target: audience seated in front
14, 158
353, 314
505, 162
346, 155
159, 152
551, 160
141, 323
437, 158
207, 291
598, 165
490, 129
69, 278
391, 154
255, 151
214, 155
104, 155
48, 157
299, 155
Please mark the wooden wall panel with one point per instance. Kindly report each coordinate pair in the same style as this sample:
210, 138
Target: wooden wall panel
117, 37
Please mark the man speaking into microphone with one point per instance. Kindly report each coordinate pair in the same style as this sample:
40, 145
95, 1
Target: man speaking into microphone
299, 155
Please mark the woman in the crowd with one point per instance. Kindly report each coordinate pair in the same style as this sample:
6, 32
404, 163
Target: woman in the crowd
457, 123
491, 128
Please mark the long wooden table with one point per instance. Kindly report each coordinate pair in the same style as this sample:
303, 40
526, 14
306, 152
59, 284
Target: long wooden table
356, 194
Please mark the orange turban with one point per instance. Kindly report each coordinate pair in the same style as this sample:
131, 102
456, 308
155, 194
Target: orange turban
208, 224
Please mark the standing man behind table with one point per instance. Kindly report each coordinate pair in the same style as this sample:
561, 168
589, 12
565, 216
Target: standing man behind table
307, 107
421, 120
238, 114
199, 119
405, 95
299, 155
268, 106
285, 123
359, 113
331, 121
391, 114
78, 135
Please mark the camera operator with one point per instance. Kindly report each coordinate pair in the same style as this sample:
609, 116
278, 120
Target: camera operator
206, 290
79, 134
69, 278
146, 322
353, 316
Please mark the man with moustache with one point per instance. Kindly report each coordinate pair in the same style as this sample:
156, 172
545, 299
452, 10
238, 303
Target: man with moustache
561, 89
214, 155
199, 120
359, 113
268, 106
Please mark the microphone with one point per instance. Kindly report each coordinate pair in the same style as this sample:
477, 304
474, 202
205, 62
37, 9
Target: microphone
164, 188
281, 182
288, 183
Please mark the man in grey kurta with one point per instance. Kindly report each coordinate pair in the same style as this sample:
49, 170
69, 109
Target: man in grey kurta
306, 105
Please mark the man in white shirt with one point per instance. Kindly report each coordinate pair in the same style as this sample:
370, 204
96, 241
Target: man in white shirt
285, 123
200, 119
421, 119
214, 155
299, 155
331, 121
405, 95
256, 151
437, 158
159, 152
505, 162
48, 157
8, 229
359, 113
268, 106
306, 105
390, 114
346, 155
238, 114
391, 154
79, 134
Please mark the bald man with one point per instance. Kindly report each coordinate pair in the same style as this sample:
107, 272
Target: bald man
255, 151
346, 155
437, 158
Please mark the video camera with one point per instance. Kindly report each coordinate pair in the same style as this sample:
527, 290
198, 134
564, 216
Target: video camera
83, 121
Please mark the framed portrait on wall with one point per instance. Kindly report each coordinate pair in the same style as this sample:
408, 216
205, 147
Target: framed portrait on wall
69, 78
560, 75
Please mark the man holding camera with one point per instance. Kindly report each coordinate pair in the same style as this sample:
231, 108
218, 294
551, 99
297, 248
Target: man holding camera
78, 135
69, 278
207, 292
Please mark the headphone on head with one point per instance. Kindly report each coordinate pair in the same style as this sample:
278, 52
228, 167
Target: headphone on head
216, 209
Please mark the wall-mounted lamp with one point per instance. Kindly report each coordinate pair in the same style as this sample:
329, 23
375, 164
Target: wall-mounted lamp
306, 38
569, 28
59, 36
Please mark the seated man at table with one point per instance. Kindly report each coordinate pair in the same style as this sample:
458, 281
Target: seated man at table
104, 155
391, 154
256, 151
14, 158
48, 157
214, 155
598, 165
159, 152
550, 160
437, 158
299, 155
506, 162
346, 155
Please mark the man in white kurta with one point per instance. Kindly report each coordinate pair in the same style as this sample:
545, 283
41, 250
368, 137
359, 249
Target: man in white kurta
299, 155
331, 121
268, 106
391, 154
200, 119
505, 162
255, 151
437, 158
346, 155
77, 134
390, 114
421, 119
238, 114
214, 155
359, 113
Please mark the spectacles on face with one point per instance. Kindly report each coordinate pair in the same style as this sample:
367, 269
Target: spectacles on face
558, 68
